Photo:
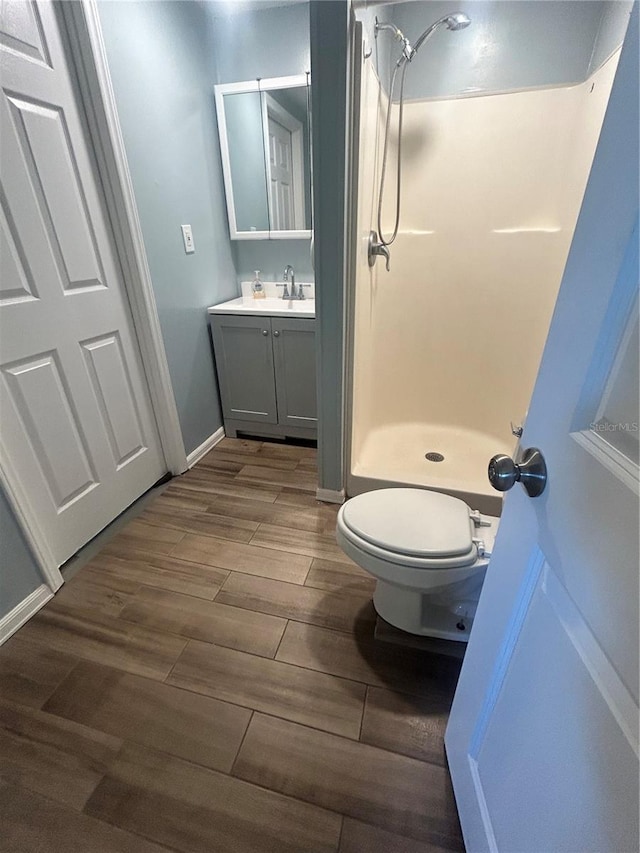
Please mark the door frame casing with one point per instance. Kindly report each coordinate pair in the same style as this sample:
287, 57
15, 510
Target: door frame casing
82, 33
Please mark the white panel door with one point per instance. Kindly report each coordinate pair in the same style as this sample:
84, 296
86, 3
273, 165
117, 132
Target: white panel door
77, 423
542, 739
281, 177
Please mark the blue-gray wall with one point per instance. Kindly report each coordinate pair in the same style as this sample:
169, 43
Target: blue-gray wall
271, 257
160, 58
512, 44
19, 575
271, 42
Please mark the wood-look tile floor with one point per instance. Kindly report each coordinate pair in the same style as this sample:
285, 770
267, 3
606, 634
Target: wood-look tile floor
210, 682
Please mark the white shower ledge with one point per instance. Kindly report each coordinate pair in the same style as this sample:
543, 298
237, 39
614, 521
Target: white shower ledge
271, 307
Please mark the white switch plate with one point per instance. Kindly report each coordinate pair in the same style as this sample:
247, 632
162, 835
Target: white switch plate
187, 238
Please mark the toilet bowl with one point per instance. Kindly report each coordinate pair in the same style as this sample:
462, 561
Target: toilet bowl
429, 553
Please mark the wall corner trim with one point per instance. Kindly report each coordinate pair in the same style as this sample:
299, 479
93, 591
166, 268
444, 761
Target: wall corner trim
330, 496
209, 443
22, 612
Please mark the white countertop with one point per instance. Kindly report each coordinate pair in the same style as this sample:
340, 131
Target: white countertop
270, 306
273, 305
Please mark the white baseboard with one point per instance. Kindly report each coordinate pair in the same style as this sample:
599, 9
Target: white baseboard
330, 496
16, 618
197, 454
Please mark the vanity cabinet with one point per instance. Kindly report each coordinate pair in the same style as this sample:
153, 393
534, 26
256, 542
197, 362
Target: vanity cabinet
267, 374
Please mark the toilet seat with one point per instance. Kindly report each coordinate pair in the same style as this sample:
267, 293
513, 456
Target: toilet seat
410, 527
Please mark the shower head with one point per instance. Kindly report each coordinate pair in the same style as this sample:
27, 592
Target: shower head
455, 21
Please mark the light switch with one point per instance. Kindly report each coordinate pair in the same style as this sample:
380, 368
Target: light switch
187, 238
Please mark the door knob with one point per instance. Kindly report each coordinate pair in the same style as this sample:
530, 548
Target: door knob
265, 332
530, 470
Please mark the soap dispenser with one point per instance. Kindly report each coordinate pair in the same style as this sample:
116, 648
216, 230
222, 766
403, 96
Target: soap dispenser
257, 287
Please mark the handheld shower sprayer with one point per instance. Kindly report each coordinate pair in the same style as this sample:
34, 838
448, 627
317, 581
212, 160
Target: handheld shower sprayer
455, 21
378, 244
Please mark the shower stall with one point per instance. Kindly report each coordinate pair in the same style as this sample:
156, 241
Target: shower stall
499, 129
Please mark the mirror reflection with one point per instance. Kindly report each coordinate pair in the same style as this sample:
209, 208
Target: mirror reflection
265, 145
247, 162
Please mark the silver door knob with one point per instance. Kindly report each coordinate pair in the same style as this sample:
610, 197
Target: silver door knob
265, 332
276, 334
530, 470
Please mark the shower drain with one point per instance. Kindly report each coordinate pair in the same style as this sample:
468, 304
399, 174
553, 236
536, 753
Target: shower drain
432, 456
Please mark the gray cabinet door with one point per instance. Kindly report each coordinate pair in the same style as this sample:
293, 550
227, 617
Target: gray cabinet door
295, 364
244, 361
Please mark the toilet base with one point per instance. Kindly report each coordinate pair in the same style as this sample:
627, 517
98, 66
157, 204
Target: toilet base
417, 613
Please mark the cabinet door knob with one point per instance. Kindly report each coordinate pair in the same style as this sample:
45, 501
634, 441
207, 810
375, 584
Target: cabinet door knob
265, 332
276, 334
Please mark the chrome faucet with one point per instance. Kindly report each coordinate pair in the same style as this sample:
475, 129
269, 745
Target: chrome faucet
289, 276
288, 271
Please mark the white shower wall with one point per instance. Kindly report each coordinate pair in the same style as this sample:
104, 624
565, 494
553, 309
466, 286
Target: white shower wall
446, 346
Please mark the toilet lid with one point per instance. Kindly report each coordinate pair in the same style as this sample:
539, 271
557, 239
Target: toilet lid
411, 521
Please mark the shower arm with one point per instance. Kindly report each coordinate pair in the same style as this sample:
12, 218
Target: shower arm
407, 50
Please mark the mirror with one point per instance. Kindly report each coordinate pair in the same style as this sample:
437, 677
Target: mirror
265, 144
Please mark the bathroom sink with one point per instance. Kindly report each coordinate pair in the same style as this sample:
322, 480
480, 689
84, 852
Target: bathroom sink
271, 306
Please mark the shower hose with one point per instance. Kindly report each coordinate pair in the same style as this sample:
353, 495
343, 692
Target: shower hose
402, 62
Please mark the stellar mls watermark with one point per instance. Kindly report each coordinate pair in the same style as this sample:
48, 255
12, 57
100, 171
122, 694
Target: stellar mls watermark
607, 426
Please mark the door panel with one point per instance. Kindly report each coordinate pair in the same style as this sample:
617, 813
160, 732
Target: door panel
577, 741
22, 31
281, 176
16, 283
51, 427
112, 388
77, 421
295, 365
244, 361
50, 165
542, 739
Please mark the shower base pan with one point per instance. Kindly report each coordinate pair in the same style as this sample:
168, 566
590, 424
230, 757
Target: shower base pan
446, 459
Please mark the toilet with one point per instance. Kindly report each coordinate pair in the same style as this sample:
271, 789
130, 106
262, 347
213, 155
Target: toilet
429, 553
